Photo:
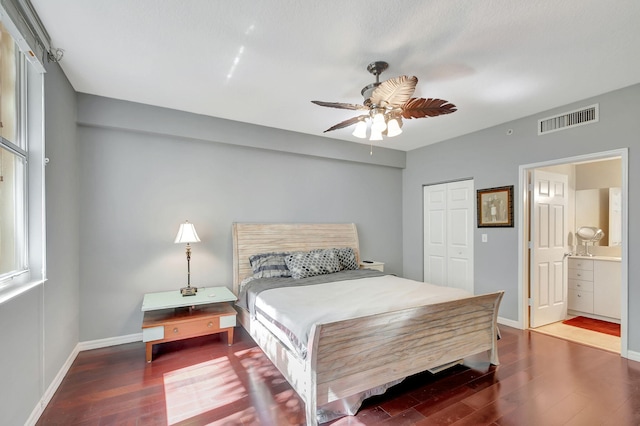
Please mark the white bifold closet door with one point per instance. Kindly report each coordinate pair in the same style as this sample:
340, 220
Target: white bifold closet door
448, 234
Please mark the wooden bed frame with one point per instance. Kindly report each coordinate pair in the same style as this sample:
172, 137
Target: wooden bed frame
351, 356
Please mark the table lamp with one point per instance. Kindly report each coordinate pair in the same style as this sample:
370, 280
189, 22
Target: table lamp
187, 234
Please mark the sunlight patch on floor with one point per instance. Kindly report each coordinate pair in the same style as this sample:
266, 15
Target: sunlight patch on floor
245, 417
263, 378
200, 388
580, 335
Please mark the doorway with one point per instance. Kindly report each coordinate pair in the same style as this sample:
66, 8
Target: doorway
528, 241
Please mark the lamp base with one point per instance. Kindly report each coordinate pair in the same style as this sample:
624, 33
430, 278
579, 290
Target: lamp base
188, 291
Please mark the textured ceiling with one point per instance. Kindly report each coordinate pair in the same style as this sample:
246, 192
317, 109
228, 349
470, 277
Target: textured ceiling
262, 62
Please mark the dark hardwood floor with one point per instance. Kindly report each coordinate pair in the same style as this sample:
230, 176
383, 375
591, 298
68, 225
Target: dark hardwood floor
542, 380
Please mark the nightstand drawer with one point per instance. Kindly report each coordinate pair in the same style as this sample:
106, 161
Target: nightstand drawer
580, 285
197, 327
579, 274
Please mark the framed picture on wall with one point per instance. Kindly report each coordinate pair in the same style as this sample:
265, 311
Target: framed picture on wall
495, 207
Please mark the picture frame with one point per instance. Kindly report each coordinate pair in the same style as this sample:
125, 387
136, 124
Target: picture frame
495, 207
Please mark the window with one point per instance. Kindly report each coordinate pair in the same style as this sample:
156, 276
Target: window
13, 161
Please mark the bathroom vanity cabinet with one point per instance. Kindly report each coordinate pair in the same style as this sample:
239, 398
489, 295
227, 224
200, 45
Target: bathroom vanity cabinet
594, 287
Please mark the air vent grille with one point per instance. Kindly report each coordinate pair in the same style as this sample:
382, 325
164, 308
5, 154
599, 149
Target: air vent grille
569, 119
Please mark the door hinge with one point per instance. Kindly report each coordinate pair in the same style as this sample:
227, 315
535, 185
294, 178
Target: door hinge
530, 244
530, 302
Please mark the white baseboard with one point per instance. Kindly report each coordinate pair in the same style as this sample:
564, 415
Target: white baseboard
111, 341
53, 387
633, 356
82, 346
509, 323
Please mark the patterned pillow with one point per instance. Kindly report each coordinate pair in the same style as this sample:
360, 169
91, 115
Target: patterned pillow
347, 258
269, 265
312, 263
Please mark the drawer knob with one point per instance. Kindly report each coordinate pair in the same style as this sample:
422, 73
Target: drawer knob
210, 324
579, 295
175, 330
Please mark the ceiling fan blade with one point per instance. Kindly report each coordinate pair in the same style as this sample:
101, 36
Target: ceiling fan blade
394, 92
421, 107
347, 123
340, 105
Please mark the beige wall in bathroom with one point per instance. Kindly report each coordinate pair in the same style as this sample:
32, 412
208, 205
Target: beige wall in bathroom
599, 174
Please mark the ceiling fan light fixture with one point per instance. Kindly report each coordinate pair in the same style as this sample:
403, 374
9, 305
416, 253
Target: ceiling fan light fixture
360, 130
393, 128
375, 135
378, 124
386, 104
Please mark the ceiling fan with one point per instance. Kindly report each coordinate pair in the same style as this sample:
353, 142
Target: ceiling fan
387, 103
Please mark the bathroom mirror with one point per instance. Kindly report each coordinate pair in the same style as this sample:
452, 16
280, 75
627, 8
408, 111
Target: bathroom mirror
600, 208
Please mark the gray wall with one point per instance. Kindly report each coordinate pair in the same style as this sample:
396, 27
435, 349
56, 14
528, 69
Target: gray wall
21, 356
492, 158
138, 184
41, 326
62, 290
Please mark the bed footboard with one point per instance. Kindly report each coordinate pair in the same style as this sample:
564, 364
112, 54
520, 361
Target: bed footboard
355, 355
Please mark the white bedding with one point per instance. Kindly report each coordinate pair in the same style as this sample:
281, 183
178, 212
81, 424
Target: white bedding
298, 308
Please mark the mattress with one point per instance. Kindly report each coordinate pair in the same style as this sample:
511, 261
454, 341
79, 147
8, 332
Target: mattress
290, 312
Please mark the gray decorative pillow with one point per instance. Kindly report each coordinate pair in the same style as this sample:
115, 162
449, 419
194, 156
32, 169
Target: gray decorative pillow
269, 265
312, 263
347, 258
246, 281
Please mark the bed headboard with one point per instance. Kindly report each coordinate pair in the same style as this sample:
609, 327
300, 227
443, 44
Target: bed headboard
254, 238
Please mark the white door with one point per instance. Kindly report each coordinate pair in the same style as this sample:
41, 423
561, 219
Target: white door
448, 234
548, 272
435, 233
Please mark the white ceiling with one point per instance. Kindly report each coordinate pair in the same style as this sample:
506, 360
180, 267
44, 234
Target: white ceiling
262, 62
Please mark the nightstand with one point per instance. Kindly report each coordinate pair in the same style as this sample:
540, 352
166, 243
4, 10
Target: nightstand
378, 266
169, 316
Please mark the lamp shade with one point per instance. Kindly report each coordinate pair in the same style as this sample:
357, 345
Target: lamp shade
187, 233
393, 128
361, 130
375, 135
378, 125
